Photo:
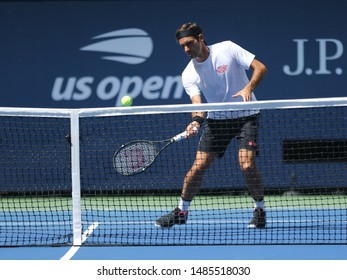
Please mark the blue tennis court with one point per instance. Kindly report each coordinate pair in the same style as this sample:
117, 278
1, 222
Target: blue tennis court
122, 228
227, 227
238, 252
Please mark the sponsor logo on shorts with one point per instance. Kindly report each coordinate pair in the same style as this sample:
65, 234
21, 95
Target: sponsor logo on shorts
251, 143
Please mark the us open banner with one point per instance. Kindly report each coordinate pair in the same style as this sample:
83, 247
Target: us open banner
69, 54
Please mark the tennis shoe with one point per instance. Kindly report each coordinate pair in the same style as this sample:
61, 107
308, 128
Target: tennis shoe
259, 219
176, 217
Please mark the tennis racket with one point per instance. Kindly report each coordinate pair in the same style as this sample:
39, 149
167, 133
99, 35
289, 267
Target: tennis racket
136, 156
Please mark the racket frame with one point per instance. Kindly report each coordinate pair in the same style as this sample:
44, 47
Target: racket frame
165, 143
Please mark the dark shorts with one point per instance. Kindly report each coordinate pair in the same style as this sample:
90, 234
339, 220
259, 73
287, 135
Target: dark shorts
218, 134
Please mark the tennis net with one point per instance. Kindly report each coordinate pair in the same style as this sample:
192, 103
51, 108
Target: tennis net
59, 185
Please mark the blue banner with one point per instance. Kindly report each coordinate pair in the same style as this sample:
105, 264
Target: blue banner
76, 54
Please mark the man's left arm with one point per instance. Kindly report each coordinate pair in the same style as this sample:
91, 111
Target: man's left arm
259, 70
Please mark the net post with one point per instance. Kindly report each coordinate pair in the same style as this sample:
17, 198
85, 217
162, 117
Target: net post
76, 180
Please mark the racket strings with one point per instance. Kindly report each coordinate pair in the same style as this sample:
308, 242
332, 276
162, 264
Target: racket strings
134, 158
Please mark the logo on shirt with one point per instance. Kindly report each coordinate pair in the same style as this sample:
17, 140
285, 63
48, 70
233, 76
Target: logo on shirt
222, 69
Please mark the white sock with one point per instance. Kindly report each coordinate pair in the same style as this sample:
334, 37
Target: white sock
184, 204
259, 204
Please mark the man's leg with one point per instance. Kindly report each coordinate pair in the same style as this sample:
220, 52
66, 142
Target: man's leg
191, 186
255, 186
193, 179
251, 172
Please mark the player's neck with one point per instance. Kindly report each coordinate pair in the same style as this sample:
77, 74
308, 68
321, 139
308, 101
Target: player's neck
205, 52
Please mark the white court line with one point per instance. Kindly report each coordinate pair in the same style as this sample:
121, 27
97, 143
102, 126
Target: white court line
72, 251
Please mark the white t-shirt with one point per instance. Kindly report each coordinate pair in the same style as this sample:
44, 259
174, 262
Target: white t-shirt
219, 77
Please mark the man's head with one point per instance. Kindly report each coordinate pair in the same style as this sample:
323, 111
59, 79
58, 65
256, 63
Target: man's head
189, 36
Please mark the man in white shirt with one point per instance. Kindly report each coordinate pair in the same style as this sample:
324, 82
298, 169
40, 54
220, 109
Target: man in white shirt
218, 72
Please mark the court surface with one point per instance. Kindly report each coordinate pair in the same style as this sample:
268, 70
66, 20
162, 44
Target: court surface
93, 258
235, 252
296, 232
112, 221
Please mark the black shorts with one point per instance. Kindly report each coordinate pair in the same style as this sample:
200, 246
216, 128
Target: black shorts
218, 134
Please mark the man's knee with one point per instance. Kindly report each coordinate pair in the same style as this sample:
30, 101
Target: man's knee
247, 167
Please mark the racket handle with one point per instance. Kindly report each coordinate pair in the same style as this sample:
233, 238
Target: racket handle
182, 135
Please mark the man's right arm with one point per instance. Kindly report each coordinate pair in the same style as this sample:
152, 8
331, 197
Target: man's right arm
197, 117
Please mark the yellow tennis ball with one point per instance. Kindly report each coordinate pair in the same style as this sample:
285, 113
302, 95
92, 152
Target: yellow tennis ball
127, 100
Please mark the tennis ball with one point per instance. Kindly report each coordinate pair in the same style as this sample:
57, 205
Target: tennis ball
127, 100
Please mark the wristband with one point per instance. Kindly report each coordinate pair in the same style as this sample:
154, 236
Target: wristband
198, 119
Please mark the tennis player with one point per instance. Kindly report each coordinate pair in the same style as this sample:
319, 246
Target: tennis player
218, 72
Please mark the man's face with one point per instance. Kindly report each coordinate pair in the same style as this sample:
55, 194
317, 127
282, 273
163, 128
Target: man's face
191, 46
